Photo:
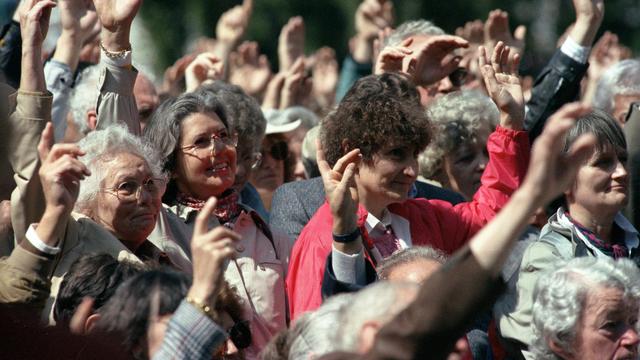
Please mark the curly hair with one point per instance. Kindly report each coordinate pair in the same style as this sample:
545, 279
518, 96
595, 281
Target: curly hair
560, 297
378, 110
456, 119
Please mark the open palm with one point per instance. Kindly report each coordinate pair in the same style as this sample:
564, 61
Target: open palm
115, 14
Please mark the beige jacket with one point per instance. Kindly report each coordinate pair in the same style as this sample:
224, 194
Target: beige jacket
258, 274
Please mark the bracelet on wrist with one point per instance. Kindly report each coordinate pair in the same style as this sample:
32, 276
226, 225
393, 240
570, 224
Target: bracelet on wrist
114, 55
206, 309
347, 238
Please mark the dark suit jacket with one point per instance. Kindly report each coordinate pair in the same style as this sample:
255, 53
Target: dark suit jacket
446, 305
294, 203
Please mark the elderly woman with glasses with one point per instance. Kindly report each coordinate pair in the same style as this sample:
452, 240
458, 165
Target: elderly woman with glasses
192, 133
102, 195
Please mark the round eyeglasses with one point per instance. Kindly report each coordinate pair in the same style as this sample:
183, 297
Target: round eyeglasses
129, 191
212, 145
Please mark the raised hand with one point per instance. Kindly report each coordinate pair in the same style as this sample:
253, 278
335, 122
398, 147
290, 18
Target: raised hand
233, 24
297, 86
174, 74
496, 29
392, 57
373, 16
589, 15
210, 250
249, 69
325, 76
472, 31
340, 189
503, 84
60, 173
434, 59
272, 95
79, 22
116, 17
34, 22
205, 67
551, 171
291, 43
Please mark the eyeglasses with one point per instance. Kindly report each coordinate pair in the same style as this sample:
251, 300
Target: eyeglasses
278, 150
129, 191
459, 77
211, 145
256, 160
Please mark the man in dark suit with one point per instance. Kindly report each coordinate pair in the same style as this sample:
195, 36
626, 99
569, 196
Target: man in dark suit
294, 203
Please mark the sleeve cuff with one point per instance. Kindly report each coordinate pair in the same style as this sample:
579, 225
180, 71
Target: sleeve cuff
34, 239
349, 268
575, 51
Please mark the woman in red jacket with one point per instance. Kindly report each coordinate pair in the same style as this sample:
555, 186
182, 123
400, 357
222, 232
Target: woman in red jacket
374, 138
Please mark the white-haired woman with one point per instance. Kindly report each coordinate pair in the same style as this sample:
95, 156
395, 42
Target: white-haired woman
587, 309
118, 184
457, 155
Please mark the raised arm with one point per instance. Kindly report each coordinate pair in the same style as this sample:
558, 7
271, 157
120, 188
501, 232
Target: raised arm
430, 326
79, 22
559, 82
116, 103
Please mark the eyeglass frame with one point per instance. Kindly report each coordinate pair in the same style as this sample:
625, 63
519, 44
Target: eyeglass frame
138, 191
213, 140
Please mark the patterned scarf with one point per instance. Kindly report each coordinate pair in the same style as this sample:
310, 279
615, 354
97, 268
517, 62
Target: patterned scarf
226, 210
616, 249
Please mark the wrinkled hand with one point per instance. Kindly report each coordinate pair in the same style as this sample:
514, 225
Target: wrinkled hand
551, 171
434, 59
174, 75
291, 43
503, 84
496, 28
249, 69
606, 52
373, 16
116, 15
233, 24
78, 16
590, 10
210, 249
340, 189
472, 31
325, 74
297, 86
392, 57
34, 22
205, 67
61, 171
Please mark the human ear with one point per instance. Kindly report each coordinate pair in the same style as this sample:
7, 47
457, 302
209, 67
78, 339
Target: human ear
91, 323
559, 351
92, 119
367, 336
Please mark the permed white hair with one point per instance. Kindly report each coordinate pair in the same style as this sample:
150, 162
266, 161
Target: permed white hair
84, 97
456, 118
559, 298
101, 147
379, 302
309, 335
411, 28
622, 78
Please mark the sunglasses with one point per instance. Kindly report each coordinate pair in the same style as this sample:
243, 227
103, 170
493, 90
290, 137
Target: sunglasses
459, 77
279, 150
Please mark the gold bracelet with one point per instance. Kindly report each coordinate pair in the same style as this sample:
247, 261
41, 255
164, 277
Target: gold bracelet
206, 309
115, 55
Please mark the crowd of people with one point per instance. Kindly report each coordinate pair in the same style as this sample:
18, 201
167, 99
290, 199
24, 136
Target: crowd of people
421, 200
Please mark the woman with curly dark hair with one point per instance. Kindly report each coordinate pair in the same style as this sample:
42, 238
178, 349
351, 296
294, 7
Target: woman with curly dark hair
370, 145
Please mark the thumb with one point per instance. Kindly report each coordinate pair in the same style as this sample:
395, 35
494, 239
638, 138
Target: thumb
46, 141
520, 33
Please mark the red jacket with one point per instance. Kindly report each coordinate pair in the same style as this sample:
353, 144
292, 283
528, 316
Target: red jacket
433, 222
